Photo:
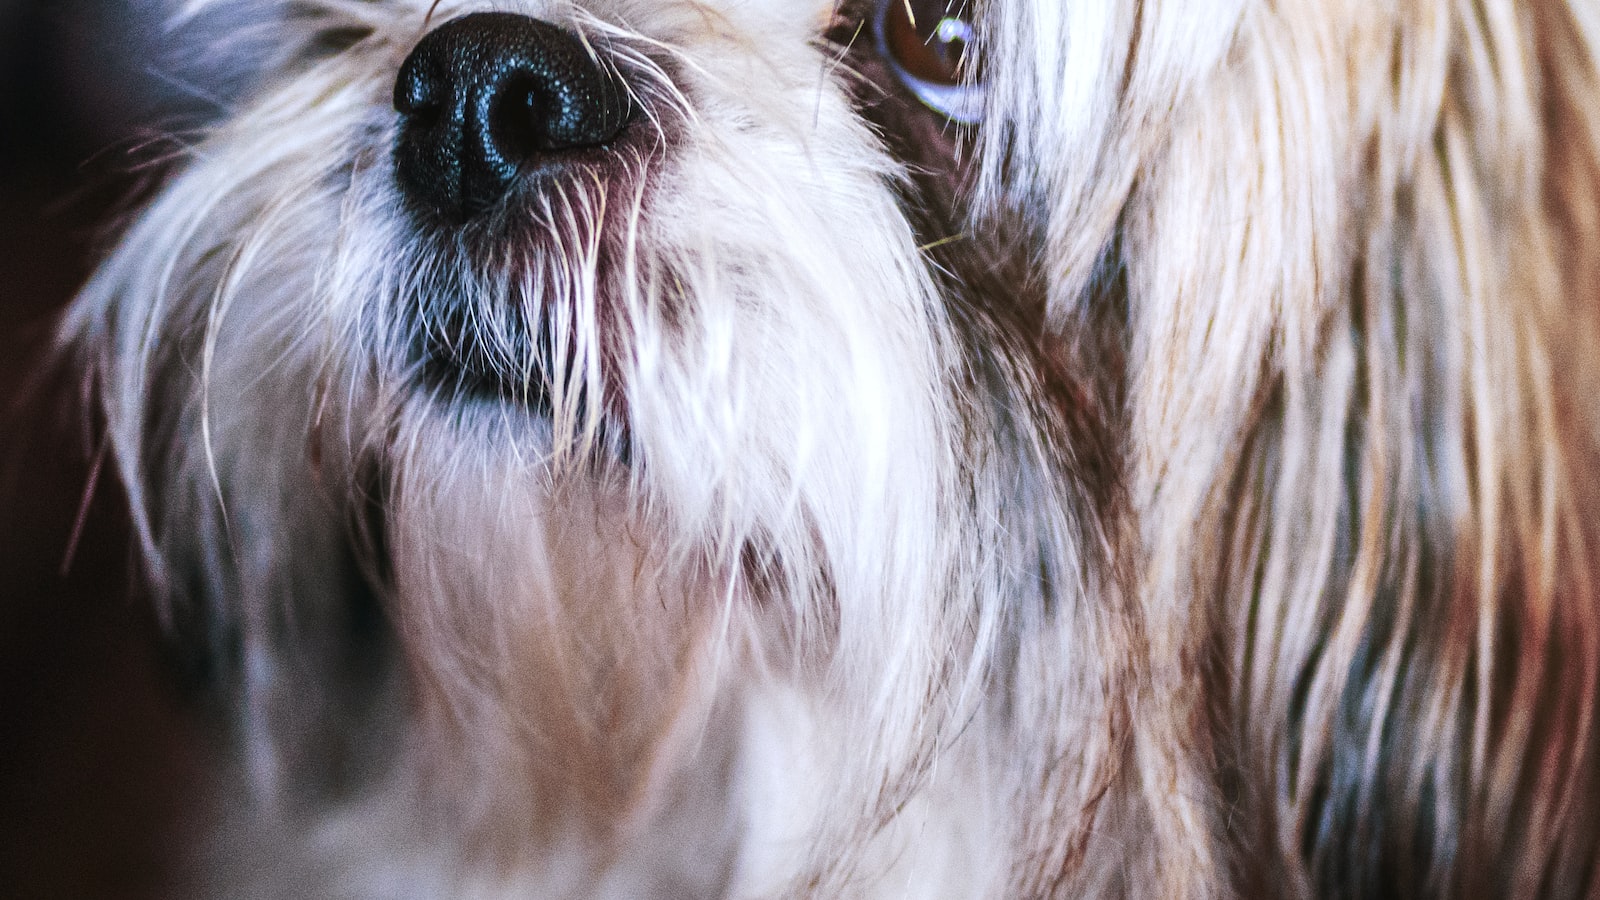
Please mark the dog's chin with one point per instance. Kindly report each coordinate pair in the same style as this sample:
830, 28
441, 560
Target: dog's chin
457, 364
462, 385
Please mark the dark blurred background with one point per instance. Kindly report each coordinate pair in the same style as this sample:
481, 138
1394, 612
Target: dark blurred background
100, 761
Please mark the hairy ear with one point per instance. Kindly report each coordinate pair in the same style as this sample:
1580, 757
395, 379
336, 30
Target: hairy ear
1361, 279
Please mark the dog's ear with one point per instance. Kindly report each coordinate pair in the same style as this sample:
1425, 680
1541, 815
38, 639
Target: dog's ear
1363, 326
1360, 253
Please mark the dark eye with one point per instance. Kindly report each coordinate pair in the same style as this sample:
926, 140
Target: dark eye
928, 44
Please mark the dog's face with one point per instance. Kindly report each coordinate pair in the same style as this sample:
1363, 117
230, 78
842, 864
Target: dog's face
637, 360
640, 263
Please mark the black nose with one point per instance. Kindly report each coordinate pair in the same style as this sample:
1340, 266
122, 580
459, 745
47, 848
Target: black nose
487, 95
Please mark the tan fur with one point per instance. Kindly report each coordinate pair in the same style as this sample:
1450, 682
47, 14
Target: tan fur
1362, 260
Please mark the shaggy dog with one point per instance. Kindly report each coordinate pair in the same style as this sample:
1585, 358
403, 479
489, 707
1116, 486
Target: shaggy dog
692, 448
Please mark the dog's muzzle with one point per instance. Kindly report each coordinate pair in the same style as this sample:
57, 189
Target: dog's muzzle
490, 98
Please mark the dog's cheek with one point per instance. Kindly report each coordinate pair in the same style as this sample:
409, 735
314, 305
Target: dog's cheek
801, 308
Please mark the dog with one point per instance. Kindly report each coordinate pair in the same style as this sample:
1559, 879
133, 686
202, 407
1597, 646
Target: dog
881, 448
596, 465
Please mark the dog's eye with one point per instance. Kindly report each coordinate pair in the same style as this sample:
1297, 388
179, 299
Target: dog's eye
928, 43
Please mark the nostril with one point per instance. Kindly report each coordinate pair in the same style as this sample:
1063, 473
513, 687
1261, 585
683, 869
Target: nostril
417, 89
483, 95
422, 116
519, 115
421, 91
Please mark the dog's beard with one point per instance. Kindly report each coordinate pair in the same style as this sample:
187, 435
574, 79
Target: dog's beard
663, 444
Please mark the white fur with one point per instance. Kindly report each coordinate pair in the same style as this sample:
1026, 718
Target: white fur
592, 697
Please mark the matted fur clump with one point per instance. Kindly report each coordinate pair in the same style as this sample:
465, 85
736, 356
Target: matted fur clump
699, 448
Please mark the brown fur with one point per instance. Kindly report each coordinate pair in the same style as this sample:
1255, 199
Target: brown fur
1361, 274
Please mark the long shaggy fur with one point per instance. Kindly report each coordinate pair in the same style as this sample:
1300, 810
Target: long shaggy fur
1180, 484
1359, 244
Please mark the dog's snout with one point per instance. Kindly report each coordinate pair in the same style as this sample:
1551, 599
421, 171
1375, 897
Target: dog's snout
488, 96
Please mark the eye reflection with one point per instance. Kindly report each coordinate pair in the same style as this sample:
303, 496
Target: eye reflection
928, 44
